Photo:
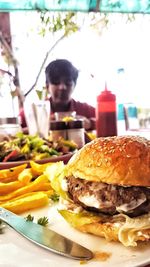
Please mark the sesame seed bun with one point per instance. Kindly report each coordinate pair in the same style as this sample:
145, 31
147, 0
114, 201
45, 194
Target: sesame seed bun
119, 160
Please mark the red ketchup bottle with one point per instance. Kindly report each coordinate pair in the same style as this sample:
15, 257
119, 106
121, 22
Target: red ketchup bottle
106, 114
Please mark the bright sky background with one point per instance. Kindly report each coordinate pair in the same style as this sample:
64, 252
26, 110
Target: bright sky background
97, 56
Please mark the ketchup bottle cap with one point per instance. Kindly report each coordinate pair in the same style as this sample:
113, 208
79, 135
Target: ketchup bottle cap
106, 95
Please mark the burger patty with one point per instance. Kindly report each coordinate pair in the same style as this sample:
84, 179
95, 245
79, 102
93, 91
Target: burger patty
109, 199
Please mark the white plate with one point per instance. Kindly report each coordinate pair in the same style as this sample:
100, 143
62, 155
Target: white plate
16, 251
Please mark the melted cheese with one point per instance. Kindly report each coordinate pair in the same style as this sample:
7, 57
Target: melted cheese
132, 229
64, 185
90, 201
132, 205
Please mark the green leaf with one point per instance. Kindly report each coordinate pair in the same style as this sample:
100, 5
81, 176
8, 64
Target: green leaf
29, 218
79, 219
54, 197
43, 221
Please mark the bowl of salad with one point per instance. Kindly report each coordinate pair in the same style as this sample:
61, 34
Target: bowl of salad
22, 148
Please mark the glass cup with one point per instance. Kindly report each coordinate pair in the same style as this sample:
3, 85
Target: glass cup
59, 116
38, 117
9, 126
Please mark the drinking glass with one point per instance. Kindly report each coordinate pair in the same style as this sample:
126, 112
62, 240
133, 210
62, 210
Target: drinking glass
38, 117
66, 114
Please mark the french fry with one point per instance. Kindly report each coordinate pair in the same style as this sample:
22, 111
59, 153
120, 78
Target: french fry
9, 175
26, 202
38, 169
6, 188
48, 193
25, 176
46, 187
31, 187
18, 193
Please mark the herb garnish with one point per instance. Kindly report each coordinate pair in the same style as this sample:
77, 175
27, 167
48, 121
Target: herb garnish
29, 218
54, 197
42, 221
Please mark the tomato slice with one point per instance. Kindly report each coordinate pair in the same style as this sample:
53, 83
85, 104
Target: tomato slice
10, 155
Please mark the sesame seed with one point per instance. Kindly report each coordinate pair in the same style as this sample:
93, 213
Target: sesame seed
99, 164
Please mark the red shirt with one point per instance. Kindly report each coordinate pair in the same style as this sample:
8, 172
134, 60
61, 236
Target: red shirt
82, 109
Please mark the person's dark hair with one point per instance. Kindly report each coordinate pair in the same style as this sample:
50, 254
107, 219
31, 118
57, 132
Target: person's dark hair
60, 68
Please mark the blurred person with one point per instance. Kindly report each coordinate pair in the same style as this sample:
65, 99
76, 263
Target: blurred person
61, 79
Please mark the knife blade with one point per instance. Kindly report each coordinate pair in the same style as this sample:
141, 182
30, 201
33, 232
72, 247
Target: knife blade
45, 237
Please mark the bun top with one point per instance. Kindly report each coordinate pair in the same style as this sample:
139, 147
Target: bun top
120, 160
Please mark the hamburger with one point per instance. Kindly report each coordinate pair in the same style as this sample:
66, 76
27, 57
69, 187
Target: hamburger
105, 189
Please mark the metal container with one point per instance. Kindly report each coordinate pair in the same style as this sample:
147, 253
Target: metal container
58, 130
75, 132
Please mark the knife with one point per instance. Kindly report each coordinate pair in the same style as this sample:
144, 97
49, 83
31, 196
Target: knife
45, 237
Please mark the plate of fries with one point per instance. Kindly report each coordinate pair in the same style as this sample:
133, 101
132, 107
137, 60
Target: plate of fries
27, 191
